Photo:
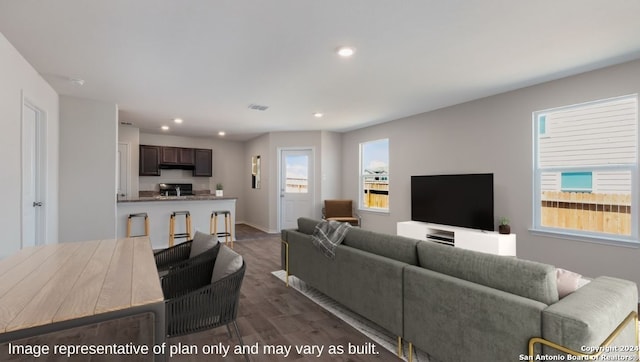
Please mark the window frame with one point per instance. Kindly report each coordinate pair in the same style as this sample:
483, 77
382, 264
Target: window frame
362, 175
541, 129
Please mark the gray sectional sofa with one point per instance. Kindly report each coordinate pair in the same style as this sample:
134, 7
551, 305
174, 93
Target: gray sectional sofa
461, 305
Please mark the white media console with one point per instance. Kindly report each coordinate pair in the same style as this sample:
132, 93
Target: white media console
479, 240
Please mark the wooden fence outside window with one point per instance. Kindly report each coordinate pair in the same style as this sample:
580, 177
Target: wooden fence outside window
605, 213
376, 195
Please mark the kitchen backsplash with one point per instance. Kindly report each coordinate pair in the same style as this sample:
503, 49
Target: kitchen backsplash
156, 193
150, 183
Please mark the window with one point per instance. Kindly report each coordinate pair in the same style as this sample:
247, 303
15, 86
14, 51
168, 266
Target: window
374, 175
586, 169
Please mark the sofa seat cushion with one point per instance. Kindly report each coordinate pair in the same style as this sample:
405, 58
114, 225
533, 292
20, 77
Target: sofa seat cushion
525, 278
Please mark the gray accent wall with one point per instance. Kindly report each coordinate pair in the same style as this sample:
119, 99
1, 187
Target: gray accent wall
494, 134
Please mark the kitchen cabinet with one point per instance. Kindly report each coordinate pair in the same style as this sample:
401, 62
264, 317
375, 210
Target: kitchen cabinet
203, 160
149, 160
155, 158
177, 156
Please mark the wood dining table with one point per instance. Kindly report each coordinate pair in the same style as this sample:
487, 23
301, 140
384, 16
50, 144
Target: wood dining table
87, 295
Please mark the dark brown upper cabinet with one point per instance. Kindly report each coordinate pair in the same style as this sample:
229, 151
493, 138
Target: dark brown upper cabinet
155, 158
149, 160
177, 156
203, 160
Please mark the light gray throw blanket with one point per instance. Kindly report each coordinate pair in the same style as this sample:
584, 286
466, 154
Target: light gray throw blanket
328, 235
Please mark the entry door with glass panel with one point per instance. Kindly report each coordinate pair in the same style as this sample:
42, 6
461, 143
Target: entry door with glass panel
296, 186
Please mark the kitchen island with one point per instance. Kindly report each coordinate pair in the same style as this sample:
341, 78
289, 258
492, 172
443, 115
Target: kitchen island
159, 209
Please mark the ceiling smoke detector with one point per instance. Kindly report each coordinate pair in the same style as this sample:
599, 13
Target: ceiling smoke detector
77, 81
258, 107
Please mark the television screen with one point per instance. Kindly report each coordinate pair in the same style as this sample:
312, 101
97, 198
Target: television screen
458, 200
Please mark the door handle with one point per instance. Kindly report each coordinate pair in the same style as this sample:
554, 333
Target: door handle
37, 204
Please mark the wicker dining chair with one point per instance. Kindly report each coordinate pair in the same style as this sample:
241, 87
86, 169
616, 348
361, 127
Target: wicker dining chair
193, 303
178, 256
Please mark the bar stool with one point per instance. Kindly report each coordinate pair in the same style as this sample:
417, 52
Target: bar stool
172, 226
146, 223
213, 227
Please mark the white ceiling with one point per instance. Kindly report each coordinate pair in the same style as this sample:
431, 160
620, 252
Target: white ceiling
206, 61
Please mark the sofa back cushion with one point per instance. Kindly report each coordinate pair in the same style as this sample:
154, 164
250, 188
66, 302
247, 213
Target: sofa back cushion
391, 246
306, 225
525, 278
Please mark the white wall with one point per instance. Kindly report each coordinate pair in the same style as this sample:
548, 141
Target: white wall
495, 135
131, 136
330, 166
88, 149
256, 201
18, 78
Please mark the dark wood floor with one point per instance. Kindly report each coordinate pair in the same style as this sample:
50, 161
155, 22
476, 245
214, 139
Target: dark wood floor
272, 314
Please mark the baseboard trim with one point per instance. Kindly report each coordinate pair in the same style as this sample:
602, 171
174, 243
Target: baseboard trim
266, 230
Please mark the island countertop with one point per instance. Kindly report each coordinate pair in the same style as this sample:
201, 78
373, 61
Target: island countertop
176, 198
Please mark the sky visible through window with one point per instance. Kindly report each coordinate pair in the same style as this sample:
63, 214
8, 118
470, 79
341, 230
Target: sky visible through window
297, 167
375, 155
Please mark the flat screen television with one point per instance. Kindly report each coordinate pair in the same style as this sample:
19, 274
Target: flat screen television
464, 200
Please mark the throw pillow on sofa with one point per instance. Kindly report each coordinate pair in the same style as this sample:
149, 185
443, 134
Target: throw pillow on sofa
201, 243
227, 263
568, 282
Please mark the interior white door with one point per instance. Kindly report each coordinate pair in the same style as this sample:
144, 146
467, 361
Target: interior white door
296, 186
122, 168
32, 204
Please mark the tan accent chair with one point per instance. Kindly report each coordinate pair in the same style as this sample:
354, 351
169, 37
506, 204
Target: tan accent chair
340, 210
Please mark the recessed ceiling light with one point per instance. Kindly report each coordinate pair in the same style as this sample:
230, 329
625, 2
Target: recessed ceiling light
318, 115
222, 133
177, 120
345, 52
165, 128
